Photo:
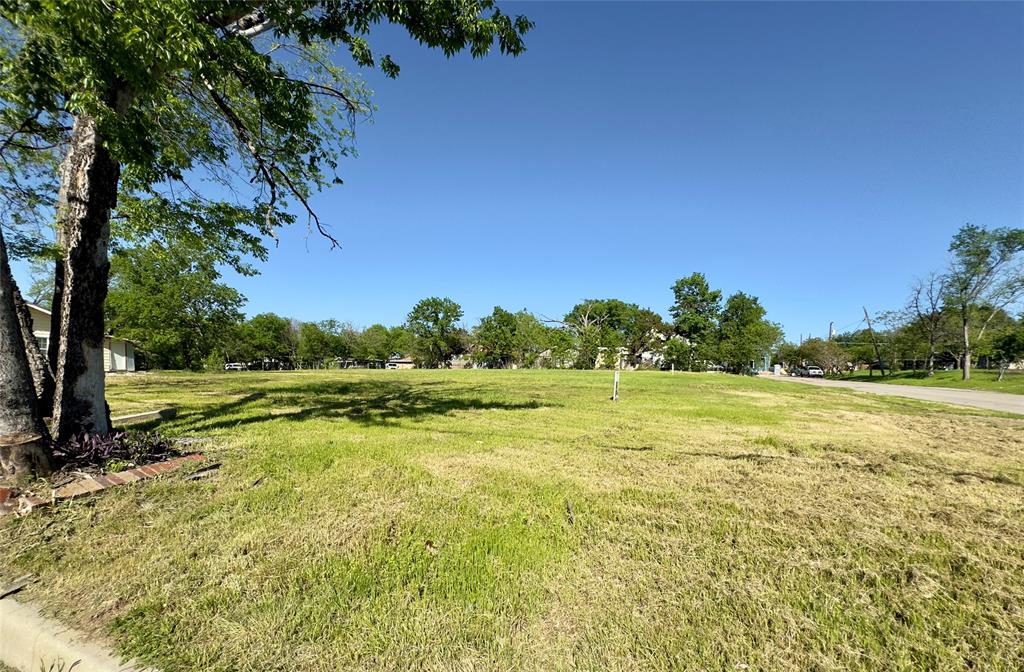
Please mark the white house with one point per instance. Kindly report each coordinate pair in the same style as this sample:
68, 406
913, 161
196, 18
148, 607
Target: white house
118, 353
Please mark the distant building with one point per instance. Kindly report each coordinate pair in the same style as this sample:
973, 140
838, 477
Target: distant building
352, 363
400, 362
462, 362
118, 353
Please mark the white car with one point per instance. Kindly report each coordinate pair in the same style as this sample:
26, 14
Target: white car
815, 372
234, 366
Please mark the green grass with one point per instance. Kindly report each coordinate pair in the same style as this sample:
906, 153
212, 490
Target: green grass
981, 379
519, 520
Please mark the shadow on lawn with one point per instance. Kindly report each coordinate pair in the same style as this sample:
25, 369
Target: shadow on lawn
760, 458
372, 403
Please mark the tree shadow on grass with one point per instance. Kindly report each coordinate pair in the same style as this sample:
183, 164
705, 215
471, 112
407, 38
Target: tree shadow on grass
369, 403
760, 458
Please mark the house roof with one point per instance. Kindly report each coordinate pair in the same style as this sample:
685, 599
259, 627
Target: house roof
50, 314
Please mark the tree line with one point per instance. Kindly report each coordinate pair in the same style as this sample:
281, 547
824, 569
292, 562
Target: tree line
174, 306
957, 317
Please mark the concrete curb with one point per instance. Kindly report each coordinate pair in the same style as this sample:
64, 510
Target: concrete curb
31, 642
135, 418
1004, 402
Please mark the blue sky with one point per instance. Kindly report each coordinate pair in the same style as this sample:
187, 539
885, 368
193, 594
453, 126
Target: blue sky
818, 156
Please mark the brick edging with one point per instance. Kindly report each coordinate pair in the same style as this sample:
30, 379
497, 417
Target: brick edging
91, 484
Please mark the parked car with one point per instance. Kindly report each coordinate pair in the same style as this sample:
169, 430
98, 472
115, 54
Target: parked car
814, 372
797, 372
234, 366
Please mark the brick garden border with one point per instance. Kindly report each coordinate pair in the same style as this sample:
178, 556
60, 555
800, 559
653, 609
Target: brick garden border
91, 484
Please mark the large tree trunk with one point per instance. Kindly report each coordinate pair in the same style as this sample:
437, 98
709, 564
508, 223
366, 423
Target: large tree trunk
24, 442
42, 375
966, 365
53, 346
88, 192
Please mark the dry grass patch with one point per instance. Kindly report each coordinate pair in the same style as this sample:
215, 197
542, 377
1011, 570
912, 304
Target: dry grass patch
519, 520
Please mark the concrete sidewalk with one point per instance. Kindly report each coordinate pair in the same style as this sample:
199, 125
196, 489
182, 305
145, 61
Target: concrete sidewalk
993, 401
30, 642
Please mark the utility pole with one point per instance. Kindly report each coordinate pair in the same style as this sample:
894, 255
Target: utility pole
874, 341
831, 331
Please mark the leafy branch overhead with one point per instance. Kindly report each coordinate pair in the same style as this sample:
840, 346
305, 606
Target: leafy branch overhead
201, 97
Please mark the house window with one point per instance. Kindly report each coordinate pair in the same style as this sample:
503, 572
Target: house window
44, 342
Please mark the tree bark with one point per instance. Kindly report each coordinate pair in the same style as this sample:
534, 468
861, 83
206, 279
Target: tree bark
42, 375
966, 365
24, 441
88, 192
56, 305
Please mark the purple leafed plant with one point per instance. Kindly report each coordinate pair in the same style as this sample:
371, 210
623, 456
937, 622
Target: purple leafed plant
84, 450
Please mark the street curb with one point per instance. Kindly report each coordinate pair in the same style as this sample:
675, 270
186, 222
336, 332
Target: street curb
135, 418
30, 642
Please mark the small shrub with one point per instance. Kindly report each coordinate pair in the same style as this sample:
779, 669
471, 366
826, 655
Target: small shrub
115, 451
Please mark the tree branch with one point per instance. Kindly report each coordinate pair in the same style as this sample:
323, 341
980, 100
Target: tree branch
267, 168
323, 89
245, 137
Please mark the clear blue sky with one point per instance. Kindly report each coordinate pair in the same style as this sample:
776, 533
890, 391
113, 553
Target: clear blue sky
818, 156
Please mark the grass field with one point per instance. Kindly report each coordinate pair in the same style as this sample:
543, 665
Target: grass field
981, 379
519, 520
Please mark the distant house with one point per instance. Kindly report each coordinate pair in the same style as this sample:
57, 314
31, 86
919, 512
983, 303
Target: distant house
118, 353
400, 362
461, 362
352, 363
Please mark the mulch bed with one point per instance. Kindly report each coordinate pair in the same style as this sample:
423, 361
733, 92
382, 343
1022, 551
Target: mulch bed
86, 465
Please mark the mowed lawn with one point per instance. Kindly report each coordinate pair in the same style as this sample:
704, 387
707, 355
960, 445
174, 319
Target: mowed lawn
519, 520
981, 379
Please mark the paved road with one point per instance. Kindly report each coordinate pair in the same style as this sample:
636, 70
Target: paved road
995, 401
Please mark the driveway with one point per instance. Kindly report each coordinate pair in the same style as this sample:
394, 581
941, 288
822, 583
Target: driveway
993, 401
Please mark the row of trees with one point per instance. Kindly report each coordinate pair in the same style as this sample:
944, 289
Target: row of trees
170, 300
613, 333
736, 334
172, 303
963, 315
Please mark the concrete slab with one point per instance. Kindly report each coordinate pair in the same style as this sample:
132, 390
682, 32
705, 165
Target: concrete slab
148, 416
994, 401
30, 642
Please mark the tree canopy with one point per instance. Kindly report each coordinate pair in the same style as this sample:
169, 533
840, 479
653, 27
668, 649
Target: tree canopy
176, 86
168, 299
695, 313
434, 326
503, 339
985, 276
745, 335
